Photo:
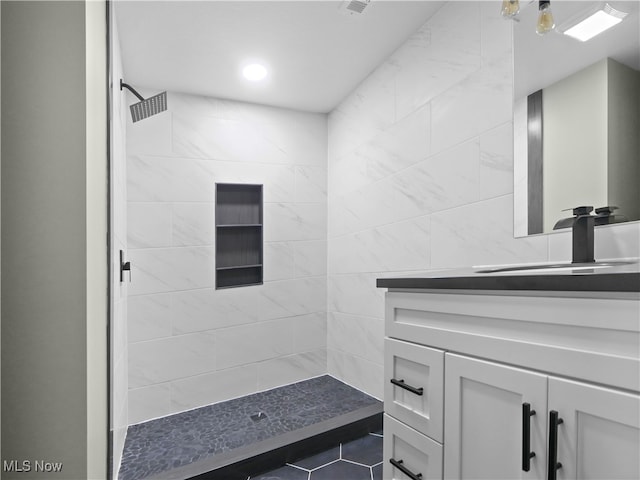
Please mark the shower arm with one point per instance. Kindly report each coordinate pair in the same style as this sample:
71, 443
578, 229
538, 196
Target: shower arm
131, 89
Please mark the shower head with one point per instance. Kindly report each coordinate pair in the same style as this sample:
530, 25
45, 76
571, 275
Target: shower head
146, 107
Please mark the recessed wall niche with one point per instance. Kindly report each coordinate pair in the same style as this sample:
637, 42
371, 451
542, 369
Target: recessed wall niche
239, 249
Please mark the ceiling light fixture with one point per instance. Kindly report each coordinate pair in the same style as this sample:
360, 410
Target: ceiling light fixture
254, 72
596, 23
510, 8
545, 18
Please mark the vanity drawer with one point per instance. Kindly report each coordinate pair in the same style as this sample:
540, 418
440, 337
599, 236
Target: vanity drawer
414, 386
409, 450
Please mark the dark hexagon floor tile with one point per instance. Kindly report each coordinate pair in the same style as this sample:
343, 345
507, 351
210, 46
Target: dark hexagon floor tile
284, 473
342, 470
366, 450
319, 460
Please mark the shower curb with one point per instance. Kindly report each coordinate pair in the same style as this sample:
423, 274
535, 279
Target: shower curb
276, 451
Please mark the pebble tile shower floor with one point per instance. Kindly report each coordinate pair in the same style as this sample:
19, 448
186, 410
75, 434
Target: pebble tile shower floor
159, 446
359, 459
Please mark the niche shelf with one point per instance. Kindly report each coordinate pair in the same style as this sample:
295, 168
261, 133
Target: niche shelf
238, 235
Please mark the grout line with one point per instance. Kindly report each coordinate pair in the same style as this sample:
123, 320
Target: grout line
299, 468
322, 466
356, 463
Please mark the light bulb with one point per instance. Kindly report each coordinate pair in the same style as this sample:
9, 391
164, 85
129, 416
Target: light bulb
545, 18
510, 8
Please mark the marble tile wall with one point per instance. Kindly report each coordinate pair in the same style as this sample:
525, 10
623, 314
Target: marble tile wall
420, 170
119, 361
189, 344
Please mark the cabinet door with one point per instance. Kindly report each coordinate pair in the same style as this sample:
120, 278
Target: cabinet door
599, 437
484, 430
414, 384
409, 454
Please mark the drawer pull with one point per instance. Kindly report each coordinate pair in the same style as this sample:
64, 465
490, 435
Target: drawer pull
527, 454
401, 384
399, 465
554, 464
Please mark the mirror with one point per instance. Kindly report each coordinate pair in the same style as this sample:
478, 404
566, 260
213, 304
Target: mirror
576, 117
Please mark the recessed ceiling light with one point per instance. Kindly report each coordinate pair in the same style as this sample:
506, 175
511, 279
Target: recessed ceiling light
254, 72
596, 23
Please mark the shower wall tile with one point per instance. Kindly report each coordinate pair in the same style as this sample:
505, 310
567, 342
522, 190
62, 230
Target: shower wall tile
278, 261
244, 140
356, 294
367, 111
481, 234
357, 372
292, 368
177, 315
151, 402
401, 145
310, 258
248, 344
165, 359
192, 224
149, 178
442, 53
496, 162
397, 246
151, 137
289, 221
149, 225
150, 317
201, 390
309, 332
487, 93
161, 270
369, 331
311, 184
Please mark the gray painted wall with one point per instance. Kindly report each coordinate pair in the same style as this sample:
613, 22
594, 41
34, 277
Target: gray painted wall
47, 289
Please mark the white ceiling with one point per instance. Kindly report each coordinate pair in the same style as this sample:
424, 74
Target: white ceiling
315, 51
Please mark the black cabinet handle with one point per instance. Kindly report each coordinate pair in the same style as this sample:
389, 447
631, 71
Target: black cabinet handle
399, 465
527, 454
554, 465
401, 384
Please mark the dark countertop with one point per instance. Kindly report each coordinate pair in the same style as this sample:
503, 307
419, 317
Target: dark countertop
623, 277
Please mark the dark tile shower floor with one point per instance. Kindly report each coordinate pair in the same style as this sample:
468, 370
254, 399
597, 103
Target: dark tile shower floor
158, 448
359, 459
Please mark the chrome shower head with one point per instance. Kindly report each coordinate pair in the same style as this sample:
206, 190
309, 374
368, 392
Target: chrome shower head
146, 107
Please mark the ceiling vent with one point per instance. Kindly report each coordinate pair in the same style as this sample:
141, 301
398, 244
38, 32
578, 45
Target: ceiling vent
353, 7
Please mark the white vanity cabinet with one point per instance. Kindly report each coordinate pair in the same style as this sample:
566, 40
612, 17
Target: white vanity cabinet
506, 385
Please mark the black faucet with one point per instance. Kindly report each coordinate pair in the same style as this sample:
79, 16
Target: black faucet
582, 230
